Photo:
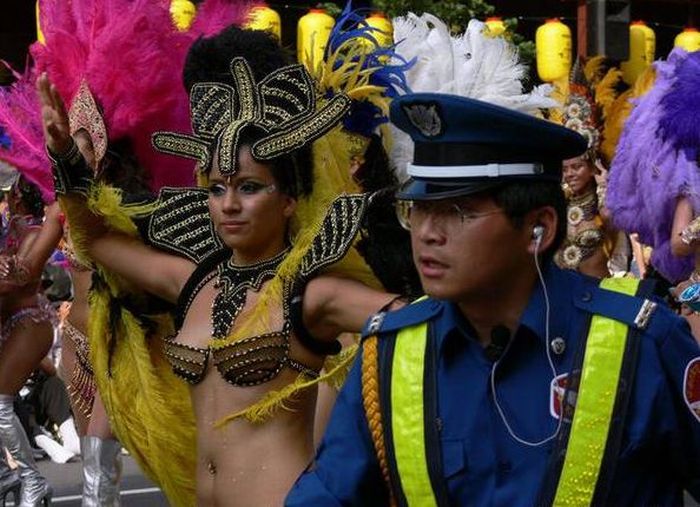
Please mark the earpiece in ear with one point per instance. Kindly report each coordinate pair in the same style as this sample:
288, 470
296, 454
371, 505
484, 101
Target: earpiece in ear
537, 235
537, 232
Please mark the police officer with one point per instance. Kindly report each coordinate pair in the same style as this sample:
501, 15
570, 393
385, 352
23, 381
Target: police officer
513, 382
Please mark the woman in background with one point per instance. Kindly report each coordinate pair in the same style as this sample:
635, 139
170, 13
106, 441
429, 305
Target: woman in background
26, 331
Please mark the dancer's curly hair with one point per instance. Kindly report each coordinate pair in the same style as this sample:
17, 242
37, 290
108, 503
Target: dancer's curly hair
209, 58
30, 196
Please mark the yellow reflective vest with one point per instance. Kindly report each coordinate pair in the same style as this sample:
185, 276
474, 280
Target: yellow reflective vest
403, 441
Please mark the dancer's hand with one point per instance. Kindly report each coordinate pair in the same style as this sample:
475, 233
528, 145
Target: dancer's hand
13, 273
601, 173
54, 117
5, 266
53, 213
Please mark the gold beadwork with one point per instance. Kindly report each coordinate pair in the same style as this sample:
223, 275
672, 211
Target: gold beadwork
283, 106
181, 224
233, 283
336, 235
81, 387
84, 114
259, 359
584, 236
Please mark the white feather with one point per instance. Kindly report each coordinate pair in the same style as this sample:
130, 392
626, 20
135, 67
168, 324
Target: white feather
470, 65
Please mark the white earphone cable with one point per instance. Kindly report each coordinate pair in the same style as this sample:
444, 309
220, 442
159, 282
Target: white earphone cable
499, 409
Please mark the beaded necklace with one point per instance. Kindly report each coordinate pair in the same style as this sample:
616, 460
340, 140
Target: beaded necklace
233, 282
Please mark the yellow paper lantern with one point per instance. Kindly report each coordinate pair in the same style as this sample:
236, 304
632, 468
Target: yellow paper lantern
688, 39
265, 18
642, 51
39, 33
313, 32
384, 32
495, 26
553, 49
182, 13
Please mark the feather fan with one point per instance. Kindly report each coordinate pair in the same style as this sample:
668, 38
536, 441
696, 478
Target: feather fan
648, 175
132, 57
679, 120
20, 118
470, 65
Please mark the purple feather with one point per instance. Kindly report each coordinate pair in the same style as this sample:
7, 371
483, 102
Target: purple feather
679, 122
648, 175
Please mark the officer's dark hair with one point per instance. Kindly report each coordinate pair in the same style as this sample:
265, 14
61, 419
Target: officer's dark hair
209, 58
518, 198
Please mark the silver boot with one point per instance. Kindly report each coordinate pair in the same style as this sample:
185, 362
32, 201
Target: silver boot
35, 490
102, 469
9, 481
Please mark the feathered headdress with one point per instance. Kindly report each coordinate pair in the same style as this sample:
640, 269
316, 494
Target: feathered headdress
611, 97
472, 65
679, 121
648, 175
605, 81
20, 118
618, 111
580, 112
129, 56
283, 106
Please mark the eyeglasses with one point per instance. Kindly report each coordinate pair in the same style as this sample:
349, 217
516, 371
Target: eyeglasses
243, 189
413, 213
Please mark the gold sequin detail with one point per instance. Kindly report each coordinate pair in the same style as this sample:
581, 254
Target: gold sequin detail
283, 105
84, 114
82, 387
182, 146
336, 235
181, 224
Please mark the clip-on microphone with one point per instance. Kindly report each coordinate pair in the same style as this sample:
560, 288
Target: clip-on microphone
500, 338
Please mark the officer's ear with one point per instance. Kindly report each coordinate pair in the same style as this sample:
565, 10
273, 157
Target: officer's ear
542, 225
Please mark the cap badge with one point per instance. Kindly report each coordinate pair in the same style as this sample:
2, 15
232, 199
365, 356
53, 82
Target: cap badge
425, 117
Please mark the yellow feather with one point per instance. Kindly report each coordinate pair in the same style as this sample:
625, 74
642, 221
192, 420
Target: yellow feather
619, 111
362, 92
594, 69
340, 365
605, 90
148, 407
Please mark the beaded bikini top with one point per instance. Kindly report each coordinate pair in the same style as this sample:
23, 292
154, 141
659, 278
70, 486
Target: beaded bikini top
181, 225
243, 363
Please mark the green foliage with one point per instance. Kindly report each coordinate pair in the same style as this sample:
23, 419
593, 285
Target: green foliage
331, 8
456, 13
526, 48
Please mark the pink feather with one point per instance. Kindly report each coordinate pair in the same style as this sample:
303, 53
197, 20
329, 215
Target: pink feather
215, 15
20, 116
132, 58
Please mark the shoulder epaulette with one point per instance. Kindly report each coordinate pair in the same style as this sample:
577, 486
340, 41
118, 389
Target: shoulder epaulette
409, 315
634, 311
181, 224
336, 234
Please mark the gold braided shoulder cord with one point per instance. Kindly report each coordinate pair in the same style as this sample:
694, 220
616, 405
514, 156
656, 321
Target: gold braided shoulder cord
370, 401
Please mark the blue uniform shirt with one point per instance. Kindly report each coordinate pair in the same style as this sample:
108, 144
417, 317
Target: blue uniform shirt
482, 463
